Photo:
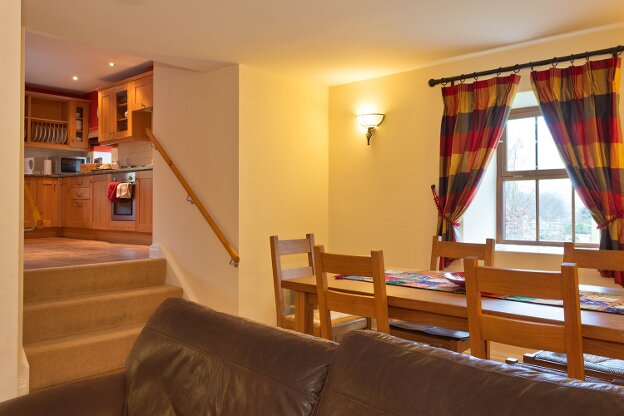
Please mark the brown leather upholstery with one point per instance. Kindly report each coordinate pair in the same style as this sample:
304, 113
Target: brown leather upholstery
194, 361
376, 374
101, 396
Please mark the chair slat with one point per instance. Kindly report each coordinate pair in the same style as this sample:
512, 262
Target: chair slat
297, 272
593, 259
347, 265
352, 304
522, 333
459, 250
288, 247
545, 285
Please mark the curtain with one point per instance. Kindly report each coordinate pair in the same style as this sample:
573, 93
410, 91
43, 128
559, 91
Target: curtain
472, 124
580, 107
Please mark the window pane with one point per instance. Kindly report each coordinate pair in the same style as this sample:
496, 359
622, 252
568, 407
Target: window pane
555, 210
547, 153
521, 144
586, 231
519, 210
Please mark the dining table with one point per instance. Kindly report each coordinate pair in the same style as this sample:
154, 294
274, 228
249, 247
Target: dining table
603, 333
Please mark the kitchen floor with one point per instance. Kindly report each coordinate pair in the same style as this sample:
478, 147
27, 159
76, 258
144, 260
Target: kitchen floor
56, 252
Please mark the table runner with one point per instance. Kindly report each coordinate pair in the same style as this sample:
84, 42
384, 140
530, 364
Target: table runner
591, 301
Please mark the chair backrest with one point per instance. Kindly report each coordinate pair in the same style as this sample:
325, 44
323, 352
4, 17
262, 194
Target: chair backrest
371, 306
593, 259
455, 250
562, 337
281, 248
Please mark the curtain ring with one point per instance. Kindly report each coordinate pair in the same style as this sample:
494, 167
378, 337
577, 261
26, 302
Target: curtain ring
443, 82
461, 79
516, 68
532, 66
554, 62
474, 75
619, 50
498, 72
571, 59
587, 56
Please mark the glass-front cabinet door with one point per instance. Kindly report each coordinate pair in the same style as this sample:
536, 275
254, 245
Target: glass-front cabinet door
79, 125
121, 112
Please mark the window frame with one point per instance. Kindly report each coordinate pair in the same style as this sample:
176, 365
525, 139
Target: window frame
503, 175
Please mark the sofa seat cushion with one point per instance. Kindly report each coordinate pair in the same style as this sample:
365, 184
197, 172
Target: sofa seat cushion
377, 374
194, 361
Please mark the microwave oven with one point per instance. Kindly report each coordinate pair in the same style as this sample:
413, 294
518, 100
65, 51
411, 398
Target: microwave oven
68, 164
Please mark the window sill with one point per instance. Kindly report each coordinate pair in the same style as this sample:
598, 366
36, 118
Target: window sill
521, 248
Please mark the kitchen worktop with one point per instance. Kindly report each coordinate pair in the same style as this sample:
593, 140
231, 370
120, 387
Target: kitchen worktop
94, 172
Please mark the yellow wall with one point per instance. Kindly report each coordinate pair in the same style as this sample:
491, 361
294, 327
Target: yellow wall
196, 118
379, 196
283, 173
11, 219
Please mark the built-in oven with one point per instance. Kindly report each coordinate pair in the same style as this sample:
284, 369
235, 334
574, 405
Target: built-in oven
124, 209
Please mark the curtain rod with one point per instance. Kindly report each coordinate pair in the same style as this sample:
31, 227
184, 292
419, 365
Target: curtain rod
616, 50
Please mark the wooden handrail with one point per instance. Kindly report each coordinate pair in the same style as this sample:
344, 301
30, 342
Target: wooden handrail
195, 199
37, 220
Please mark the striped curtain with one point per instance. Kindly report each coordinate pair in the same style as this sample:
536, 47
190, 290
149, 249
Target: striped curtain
472, 124
580, 107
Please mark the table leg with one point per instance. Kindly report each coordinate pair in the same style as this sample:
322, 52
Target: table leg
304, 313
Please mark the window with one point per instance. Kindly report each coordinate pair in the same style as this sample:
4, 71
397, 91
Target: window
535, 200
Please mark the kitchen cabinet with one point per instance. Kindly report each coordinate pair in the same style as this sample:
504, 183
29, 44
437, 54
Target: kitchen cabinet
143, 95
100, 205
55, 122
80, 202
29, 185
118, 118
47, 200
65, 202
144, 201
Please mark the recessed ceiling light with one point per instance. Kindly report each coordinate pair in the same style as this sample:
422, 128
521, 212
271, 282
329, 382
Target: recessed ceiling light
111, 64
75, 77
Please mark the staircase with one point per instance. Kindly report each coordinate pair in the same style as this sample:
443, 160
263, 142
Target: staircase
80, 321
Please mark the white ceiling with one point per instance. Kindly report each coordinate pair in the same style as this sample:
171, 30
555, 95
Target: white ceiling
52, 63
328, 41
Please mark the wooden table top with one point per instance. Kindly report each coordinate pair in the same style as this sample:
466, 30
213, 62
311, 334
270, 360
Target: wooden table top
596, 325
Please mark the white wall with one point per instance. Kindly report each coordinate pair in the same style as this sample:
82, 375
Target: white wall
196, 119
283, 169
11, 219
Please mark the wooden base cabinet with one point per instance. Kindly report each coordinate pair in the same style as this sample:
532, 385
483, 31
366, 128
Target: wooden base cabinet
101, 206
47, 200
144, 201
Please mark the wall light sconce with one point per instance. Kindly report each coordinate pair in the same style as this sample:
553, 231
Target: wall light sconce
370, 121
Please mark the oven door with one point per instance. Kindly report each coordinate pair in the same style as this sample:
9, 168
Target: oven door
123, 210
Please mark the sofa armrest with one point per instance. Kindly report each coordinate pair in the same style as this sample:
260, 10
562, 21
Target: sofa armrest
99, 396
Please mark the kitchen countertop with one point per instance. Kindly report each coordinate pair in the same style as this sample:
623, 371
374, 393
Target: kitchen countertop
95, 172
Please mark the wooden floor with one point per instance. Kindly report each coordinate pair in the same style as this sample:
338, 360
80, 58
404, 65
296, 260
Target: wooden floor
56, 252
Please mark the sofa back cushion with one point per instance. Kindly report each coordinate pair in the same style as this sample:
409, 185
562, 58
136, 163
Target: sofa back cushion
376, 374
195, 361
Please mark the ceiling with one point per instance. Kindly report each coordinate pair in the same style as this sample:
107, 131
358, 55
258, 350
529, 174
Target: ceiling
52, 63
325, 41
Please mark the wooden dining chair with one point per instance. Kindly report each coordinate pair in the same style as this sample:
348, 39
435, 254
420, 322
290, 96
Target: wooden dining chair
457, 250
603, 368
449, 339
564, 337
370, 306
342, 323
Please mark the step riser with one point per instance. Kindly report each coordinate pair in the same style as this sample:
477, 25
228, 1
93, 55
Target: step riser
64, 282
52, 366
73, 317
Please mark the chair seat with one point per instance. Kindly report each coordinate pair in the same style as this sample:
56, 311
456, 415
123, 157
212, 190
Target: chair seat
554, 371
595, 363
337, 318
434, 331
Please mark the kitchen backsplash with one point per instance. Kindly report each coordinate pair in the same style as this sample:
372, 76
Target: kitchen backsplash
135, 153
42, 154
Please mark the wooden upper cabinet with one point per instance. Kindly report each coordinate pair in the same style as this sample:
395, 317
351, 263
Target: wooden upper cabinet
143, 92
55, 122
121, 118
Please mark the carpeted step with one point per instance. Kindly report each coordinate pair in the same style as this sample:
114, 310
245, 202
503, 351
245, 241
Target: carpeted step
72, 358
71, 281
79, 315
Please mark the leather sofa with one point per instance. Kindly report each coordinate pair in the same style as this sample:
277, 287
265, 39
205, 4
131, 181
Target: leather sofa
195, 361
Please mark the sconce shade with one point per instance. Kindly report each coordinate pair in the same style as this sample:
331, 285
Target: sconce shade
370, 119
